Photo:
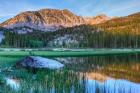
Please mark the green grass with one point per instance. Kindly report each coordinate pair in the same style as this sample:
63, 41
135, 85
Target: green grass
64, 79
45, 79
96, 52
82, 53
6, 62
14, 53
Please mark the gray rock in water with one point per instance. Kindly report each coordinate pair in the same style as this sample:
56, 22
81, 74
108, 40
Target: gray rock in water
40, 62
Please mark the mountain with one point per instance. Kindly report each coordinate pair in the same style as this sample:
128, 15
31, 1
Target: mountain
45, 19
123, 32
49, 20
130, 23
118, 32
97, 19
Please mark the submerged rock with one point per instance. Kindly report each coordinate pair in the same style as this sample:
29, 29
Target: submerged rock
39, 62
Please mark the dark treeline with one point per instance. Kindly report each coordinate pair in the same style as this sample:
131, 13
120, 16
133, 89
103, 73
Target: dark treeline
87, 37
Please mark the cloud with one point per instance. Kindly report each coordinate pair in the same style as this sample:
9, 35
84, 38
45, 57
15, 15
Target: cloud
125, 6
93, 8
109, 7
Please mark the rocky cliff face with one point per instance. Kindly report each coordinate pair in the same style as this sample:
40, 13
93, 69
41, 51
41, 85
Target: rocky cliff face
48, 20
45, 19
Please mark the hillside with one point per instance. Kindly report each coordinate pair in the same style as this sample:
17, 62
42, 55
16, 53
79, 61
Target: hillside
83, 36
129, 24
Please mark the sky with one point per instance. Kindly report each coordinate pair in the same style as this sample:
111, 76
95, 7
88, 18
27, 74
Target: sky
10, 8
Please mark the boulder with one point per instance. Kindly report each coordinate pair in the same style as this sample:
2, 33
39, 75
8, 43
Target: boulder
39, 62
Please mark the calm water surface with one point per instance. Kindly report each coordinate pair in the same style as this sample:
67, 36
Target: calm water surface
98, 74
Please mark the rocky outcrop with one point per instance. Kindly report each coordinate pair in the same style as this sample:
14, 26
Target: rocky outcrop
39, 62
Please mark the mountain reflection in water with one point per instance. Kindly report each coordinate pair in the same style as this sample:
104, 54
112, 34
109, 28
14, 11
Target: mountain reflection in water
112, 86
96, 74
106, 85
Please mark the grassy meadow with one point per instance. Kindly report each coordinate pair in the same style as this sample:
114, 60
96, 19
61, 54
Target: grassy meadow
68, 53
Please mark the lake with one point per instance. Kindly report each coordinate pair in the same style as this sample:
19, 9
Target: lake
82, 74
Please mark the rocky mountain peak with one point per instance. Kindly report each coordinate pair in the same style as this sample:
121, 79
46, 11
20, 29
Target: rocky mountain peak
102, 15
44, 19
49, 20
97, 19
